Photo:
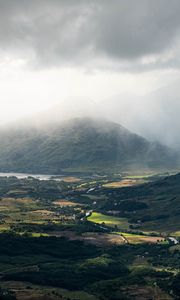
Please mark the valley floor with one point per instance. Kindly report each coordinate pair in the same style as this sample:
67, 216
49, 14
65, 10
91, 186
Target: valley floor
96, 237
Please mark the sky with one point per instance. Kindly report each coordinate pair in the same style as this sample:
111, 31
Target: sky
119, 57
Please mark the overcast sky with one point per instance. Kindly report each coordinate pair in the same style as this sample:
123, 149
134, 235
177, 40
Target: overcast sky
111, 52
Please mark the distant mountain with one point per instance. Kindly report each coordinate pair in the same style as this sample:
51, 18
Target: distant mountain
80, 142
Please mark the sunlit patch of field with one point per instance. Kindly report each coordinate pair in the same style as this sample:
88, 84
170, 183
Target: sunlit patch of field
25, 201
138, 239
39, 234
35, 221
63, 202
123, 183
4, 227
176, 234
89, 184
71, 179
42, 212
95, 197
16, 192
138, 176
108, 220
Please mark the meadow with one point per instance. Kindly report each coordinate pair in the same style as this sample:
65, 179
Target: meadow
108, 220
125, 183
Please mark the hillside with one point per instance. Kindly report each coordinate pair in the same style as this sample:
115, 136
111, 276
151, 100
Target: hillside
152, 206
82, 142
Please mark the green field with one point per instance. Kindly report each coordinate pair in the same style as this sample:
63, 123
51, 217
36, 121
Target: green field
133, 238
108, 220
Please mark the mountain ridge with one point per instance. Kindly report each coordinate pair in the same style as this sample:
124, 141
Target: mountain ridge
78, 142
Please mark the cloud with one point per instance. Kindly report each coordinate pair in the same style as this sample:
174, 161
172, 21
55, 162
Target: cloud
154, 115
126, 33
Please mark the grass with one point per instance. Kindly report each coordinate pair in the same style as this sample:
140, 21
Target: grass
4, 227
64, 203
108, 220
123, 183
71, 179
140, 176
25, 211
138, 239
176, 234
26, 291
37, 234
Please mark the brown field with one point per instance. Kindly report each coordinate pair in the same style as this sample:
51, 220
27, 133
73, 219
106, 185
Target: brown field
71, 179
14, 201
43, 212
123, 183
63, 202
25, 200
99, 239
152, 239
137, 239
103, 239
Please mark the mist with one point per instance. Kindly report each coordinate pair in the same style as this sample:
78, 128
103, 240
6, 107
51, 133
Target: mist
68, 59
154, 116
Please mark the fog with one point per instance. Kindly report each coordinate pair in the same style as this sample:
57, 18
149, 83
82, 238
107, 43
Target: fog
116, 60
155, 115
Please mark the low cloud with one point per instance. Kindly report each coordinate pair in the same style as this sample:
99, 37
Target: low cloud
143, 33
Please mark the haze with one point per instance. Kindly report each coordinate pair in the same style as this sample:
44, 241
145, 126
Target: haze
114, 59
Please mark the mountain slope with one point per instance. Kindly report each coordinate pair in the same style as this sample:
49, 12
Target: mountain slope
77, 143
152, 206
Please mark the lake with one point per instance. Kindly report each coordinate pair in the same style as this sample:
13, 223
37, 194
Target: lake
25, 175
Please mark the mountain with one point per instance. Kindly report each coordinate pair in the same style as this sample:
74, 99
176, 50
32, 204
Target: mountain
79, 142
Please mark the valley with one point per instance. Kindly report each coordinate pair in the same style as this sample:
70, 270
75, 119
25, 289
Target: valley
90, 236
89, 150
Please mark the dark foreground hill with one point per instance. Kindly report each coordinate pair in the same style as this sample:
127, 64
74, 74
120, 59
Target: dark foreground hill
78, 143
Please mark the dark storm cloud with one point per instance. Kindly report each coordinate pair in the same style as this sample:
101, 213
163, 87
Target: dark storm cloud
53, 32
